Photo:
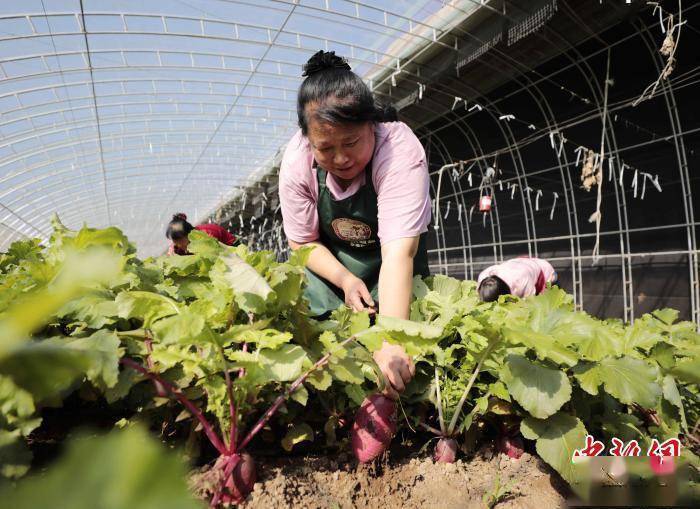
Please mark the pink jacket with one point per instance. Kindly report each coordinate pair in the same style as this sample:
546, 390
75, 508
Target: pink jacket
525, 276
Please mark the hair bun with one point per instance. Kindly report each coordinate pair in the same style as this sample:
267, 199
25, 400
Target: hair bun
323, 60
181, 216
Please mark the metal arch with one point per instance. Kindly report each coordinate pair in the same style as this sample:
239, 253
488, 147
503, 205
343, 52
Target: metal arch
495, 225
434, 193
439, 221
477, 149
139, 94
621, 205
671, 106
138, 156
123, 135
272, 120
272, 41
83, 141
353, 47
81, 179
75, 208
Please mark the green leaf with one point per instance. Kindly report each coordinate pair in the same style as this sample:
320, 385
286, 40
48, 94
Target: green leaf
45, 369
688, 371
347, 370
329, 341
185, 328
557, 438
297, 434
301, 395
667, 315
320, 380
15, 456
145, 306
17, 407
627, 379
639, 336
674, 397
539, 390
356, 393
548, 325
417, 338
251, 290
123, 469
265, 338
95, 309
543, 345
284, 364
103, 350
78, 272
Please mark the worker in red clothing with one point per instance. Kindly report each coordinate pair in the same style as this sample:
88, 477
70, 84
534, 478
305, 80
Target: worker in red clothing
179, 229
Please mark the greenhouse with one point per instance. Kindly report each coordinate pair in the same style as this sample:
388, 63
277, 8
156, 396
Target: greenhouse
338, 253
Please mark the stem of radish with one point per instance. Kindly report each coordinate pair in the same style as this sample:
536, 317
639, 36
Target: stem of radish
458, 411
282, 397
208, 430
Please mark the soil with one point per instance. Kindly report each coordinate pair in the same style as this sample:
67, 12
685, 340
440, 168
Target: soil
339, 483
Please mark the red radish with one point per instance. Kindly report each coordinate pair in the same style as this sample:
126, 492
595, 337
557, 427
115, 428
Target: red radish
374, 427
235, 472
445, 450
510, 446
239, 482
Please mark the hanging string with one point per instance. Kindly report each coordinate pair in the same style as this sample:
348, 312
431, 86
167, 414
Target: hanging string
447, 213
554, 205
599, 200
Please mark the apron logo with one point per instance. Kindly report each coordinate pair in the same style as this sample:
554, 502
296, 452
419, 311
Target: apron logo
350, 230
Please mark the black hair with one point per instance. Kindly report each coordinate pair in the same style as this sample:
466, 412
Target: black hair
341, 95
178, 228
387, 112
491, 288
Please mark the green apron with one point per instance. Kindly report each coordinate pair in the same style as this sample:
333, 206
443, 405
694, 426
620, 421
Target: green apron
348, 228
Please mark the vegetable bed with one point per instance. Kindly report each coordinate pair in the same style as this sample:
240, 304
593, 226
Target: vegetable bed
214, 355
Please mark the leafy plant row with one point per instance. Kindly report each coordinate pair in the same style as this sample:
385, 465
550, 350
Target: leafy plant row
227, 333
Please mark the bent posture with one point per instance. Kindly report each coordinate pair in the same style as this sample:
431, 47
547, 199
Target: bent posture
179, 229
521, 277
357, 189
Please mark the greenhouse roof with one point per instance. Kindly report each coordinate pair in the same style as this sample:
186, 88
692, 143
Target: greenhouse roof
122, 112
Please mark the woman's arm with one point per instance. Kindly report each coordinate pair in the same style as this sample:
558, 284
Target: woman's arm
396, 277
395, 286
323, 263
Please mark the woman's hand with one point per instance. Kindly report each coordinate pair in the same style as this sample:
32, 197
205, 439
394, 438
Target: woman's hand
357, 297
396, 366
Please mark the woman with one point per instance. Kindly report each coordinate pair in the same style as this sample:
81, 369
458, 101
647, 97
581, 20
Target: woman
521, 277
179, 229
357, 190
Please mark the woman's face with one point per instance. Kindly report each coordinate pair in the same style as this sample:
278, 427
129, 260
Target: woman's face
341, 149
181, 245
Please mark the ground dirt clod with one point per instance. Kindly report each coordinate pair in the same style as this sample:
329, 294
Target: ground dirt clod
327, 482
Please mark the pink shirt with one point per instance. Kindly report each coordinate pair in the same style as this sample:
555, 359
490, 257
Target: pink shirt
522, 274
399, 174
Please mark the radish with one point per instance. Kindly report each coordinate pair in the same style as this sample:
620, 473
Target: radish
374, 427
512, 446
239, 483
235, 472
445, 450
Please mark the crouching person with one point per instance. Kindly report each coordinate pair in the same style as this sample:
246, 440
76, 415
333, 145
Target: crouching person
520, 277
